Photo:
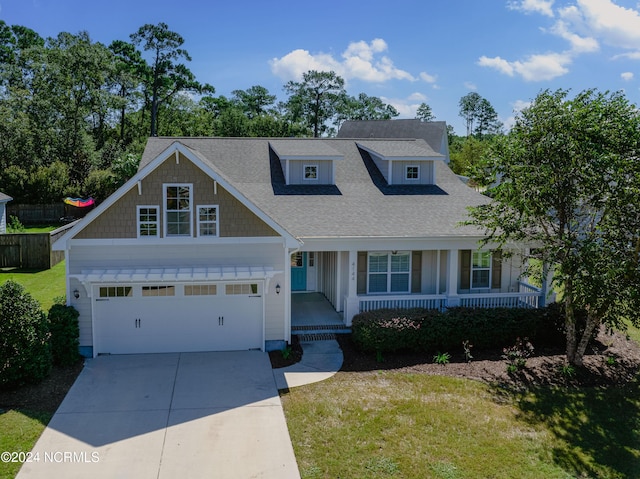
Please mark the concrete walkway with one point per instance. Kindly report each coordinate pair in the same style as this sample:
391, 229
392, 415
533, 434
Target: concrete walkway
320, 361
157, 416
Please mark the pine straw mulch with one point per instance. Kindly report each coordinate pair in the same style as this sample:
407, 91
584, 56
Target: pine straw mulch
612, 359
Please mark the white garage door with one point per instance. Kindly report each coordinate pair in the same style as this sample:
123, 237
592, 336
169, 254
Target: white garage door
162, 318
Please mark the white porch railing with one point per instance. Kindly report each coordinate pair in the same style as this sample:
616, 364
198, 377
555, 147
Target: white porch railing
500, 300
428, 301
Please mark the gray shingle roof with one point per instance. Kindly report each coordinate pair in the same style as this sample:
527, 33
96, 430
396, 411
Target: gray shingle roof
359, 204
401, 149
432, 132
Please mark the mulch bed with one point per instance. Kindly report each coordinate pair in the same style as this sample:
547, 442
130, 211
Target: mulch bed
279, 361
611, 360
42, 397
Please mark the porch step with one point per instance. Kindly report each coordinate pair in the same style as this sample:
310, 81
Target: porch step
320, 330
316, 337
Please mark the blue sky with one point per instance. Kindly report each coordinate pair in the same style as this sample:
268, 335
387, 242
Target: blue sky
404, 51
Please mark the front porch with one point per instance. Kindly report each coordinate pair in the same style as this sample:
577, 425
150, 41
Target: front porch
350, 282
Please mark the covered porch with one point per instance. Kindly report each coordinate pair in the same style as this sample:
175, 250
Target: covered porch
355, 281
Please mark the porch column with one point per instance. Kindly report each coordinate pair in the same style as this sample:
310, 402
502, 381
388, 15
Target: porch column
453, 270
351, 304
547, 278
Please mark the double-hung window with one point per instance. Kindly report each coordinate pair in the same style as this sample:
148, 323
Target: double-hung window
148, 221
208, 220
481, 269
178, 209
389, 272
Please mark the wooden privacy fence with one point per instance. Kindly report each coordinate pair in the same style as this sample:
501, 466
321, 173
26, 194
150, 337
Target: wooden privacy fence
31, 250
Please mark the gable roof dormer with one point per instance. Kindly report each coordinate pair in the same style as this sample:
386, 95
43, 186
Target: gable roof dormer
306, 162
403, 161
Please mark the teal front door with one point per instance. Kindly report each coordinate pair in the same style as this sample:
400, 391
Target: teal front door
299, 271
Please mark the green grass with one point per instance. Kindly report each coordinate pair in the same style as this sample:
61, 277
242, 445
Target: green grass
20, 431
43, 285
398, 425
45, 228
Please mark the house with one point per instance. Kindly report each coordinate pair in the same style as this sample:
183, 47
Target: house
203, 248
4, 199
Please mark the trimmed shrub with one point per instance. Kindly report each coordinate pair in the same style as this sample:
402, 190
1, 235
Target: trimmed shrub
63, 324
423, 330
25, 356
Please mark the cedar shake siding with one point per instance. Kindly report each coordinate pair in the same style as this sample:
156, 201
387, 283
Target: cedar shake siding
234, 219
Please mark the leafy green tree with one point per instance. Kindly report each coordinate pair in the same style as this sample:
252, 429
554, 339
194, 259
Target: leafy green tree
569, 183
479, 115
164, 76
255, 101
467, 154
315, 101
425, 113
365, 107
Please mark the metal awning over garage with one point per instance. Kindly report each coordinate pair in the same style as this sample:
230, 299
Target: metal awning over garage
137, 275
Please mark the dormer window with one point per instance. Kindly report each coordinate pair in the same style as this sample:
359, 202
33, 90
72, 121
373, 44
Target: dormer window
412, 173
306, 161
310, 172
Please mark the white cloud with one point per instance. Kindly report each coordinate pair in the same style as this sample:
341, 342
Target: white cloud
428, 78
535, 68
361, 60
626, 76
578, 44
408, 106
615, 25
533, 6
470, 86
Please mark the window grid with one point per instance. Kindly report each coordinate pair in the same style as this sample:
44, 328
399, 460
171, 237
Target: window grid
208, 220
481, 269
116, 292
200, 290
310, 172
412, 173
178, 210
148, 221
241, 288
159, 290
389, 272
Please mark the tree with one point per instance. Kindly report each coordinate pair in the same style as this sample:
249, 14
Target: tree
164, 77
570, 184
315, 100
425, 113
255, 101
478, 112
364, 107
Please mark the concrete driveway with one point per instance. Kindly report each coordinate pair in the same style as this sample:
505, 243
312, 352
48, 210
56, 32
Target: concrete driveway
187, 415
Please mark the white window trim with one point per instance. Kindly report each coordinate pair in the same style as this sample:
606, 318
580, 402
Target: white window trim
216, 222
475, 268
406, 173
310, 165
388, 272
166, 211
139, 223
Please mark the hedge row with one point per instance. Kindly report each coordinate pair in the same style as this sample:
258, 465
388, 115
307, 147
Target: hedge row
30, 340
428, 330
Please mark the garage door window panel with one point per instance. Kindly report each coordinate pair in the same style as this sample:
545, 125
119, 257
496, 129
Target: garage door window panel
241, 288
200, 290
116, 291
163, 290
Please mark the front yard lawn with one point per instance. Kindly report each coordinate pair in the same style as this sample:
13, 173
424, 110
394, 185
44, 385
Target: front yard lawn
44, 286
386, 424
25, 413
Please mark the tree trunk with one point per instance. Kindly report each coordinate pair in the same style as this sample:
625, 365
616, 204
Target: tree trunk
592, 322
570, 322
